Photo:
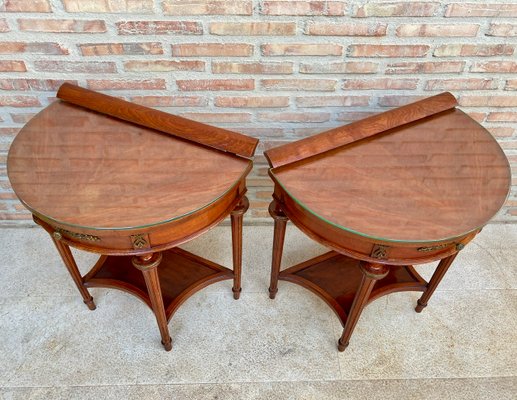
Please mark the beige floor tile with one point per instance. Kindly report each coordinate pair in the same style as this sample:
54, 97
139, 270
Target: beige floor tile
460, 334
421, 389
57, 341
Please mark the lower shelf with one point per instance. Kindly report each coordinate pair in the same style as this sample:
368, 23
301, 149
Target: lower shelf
181, 275
335, 278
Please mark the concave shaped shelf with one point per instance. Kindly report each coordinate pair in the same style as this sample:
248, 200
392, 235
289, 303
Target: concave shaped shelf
181, 275
335, 278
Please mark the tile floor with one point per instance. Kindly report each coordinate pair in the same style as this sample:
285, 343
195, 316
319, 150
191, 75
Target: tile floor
462, 346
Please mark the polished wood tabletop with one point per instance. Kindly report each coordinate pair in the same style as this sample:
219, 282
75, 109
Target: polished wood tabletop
435, 179
85, 169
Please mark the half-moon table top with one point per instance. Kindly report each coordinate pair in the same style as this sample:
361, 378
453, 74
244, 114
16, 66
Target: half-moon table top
435, 179
85, 169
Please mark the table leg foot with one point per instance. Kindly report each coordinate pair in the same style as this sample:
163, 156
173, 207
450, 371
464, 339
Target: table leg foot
342, 346
90, 303
420, 306
272, 293
237, 293
168, 345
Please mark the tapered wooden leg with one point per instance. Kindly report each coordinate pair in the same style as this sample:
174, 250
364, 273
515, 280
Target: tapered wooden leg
442, 268
371, 274
236, 217
278, 245
148, 264
68, 259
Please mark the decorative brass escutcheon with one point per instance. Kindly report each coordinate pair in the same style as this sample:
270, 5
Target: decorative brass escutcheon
380, 251
433, 248
58, 235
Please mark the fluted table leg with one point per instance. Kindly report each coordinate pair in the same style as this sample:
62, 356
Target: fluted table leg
236, 217
278, 245
71, 266
437, 277
148, 264
371, 274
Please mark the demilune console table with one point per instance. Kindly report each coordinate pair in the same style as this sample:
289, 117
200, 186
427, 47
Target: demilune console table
132, 183
408, 186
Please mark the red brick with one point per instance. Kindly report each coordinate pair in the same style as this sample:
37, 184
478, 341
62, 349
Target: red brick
105, 49
501, 131
488, 101
19, 101
477, 116
461, 84
350, 67
253, 28
4, 27
33, 84
252, 68
346, 29
15, 217
216, 84
42, 6
459, 30
260, 132
32, 47
61, 25
22, 118
255, 101
103, 6
294, 117
207, 7
326, 85
355, 115
473, 50
502, 116
502, 30
90, 67
170, 101
301, 49
159, 28
425, 67
9, 132
218, 117
332, 101
397, 9
294, 7
163, 65
304, 132
145, 84
397, 101
380, 83
12, 66
481, 10
212, 50
511, 84
387, 50
495, 66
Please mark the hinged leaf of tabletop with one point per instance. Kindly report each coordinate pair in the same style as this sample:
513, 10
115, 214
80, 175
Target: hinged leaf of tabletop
343, 135
184, 128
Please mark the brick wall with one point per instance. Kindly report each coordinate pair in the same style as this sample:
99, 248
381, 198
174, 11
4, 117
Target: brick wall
278, 70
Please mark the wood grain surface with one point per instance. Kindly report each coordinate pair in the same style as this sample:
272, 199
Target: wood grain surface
86, 169
335, 138
440, 177
198, 132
